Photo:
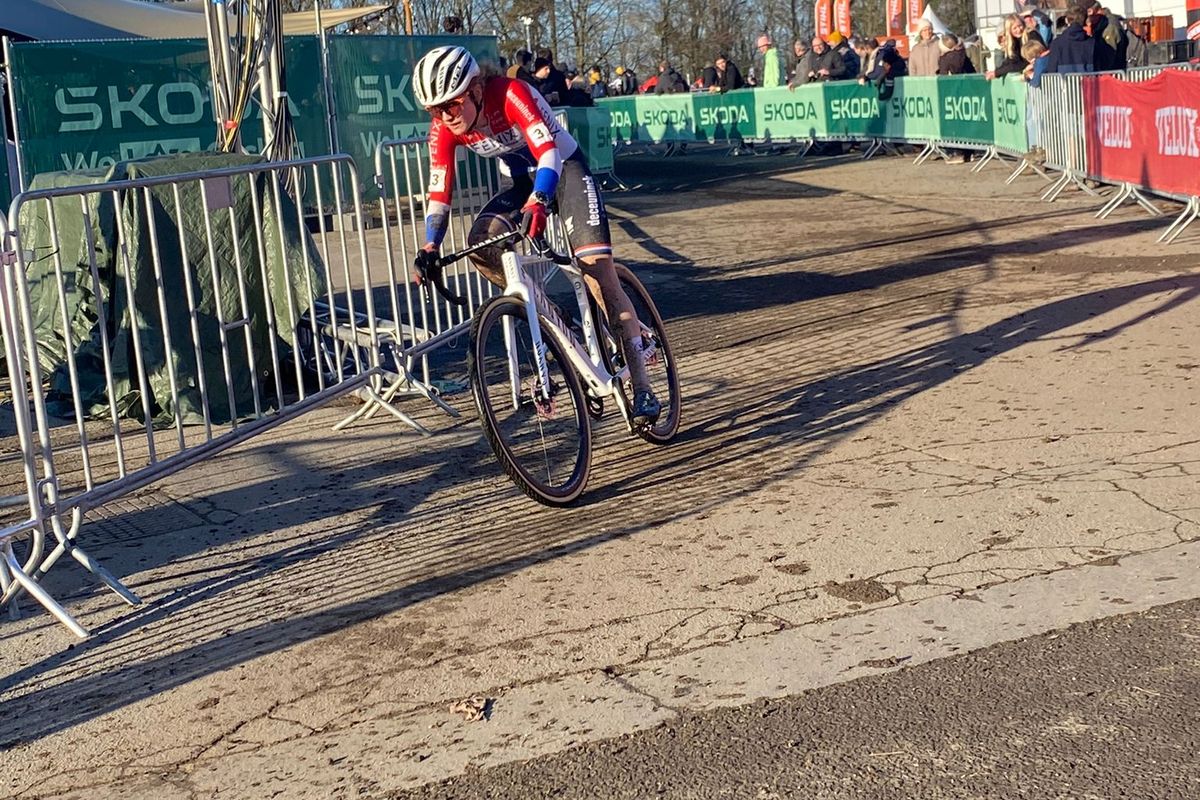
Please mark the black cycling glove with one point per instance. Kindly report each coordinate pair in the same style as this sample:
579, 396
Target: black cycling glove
426, 265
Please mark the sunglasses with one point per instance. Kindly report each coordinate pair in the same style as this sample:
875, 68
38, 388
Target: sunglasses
452, 108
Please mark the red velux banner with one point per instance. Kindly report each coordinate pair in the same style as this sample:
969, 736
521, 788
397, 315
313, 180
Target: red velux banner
895, 18
841, 17
1147, 134
823, 15
915, 9
1193, 19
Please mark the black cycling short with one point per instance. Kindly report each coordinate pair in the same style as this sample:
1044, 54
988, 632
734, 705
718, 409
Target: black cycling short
577, 201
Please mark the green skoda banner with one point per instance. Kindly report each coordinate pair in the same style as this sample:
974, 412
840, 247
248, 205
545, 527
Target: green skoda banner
785, 115
727, 117
87, 105
592, 128
1009, 119
372, 88
966, 109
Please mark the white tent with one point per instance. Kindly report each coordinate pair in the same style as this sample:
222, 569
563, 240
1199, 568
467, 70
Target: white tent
939, 27
126, 19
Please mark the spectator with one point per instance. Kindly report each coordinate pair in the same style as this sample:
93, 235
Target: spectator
1104, 55
826, 64
452, 24
1116, 38
650, 85
1072, 50
555, 91
953, 60
887, 65
554, 83
974, 47
669, 81
709, 79
840, 46
770, 57
804, 58
729, 77
1034, 54
1036, 20
522, 60
596, 84
1137, 54
624, 83
866, 49
1014, 38
923, 58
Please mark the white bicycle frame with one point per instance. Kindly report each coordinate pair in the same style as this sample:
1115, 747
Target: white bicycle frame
525, 277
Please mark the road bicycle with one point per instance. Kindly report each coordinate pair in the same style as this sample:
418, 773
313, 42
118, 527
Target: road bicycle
537, 394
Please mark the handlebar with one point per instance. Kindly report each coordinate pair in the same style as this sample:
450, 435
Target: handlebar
437, 277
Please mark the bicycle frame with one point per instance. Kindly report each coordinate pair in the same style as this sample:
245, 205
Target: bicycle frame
525, 277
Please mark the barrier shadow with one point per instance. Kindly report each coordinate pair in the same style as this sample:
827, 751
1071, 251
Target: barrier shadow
411, 549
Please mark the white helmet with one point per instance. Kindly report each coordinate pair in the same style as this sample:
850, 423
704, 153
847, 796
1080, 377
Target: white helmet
443, 74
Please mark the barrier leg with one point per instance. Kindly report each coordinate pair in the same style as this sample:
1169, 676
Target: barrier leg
874, 147
988, 155
1190, 212
924, 155
808, 146
13, 568
1128, 192
1026, 164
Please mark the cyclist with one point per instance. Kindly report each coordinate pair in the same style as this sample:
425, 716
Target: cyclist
496, 116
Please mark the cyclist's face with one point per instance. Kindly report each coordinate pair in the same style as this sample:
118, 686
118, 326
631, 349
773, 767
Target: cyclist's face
458, 114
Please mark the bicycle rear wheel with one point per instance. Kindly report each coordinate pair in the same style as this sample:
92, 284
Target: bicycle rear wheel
660, 363
543, 443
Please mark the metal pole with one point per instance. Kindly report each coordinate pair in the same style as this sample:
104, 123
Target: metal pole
330, 112
22, 185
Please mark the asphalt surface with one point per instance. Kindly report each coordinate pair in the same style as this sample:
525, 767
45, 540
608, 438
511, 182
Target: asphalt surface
1106, 709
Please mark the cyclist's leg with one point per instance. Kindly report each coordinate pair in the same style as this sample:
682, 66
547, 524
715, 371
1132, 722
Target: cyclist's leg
494, 219
582, 209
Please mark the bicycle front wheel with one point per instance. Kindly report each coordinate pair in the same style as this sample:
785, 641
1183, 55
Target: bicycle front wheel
541, 435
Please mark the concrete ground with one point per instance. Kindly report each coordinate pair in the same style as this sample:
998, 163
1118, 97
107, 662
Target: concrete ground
924, 414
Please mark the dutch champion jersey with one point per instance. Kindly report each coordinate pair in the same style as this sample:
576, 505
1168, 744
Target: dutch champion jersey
516, 125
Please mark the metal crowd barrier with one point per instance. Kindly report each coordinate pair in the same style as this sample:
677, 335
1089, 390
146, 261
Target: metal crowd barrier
219, 340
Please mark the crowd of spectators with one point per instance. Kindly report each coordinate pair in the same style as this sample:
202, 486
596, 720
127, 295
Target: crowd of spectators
1087, 38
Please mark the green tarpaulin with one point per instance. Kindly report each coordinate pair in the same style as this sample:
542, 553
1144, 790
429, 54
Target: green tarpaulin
127, 283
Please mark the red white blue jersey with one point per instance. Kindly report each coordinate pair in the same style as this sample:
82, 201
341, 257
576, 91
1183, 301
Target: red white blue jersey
515, 125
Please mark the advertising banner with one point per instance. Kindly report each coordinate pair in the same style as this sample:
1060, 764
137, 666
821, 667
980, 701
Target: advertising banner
1147, 134
726, 117
912, 110
622, 112
592, 128
1009, 129
823, 17
781, 114
966, 109
1193, 19
372, 88
86, 105
894, 22
841, 17
665, 118
915, 9
854, 111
